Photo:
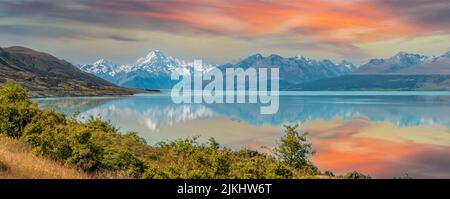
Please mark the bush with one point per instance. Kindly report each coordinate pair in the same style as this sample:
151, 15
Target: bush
356, 175
12, 93
278, 170
186, 158
122, 160
16, 110
294, 149
249, 167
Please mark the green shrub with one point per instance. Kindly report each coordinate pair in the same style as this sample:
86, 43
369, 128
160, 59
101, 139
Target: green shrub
11, 92
279, 170
16, 110
122, 160
153, 172
249, 167
294, 149
186, 158
355, 175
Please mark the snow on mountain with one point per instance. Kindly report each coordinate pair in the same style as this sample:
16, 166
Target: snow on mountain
408, 63
346, 64
157, 63
298, 69
155, 68
101, 66
398, 62
151, 71
409, 58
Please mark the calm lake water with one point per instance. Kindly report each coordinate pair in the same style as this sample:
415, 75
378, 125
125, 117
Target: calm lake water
383, 134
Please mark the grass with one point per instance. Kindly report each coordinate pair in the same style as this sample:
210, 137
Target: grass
18, 162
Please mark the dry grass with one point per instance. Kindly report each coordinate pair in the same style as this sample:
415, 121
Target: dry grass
17, 162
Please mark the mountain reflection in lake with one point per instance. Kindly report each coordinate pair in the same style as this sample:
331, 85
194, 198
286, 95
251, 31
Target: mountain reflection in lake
381, 135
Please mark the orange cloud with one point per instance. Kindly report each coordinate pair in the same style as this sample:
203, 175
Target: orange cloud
323, 20
333, 29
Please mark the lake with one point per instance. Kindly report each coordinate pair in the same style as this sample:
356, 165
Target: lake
383, 134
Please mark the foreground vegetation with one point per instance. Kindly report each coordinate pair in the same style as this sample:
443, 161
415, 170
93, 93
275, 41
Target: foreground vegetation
96, 147
18, 162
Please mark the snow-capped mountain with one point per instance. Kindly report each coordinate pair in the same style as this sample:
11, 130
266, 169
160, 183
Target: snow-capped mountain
394, 64
105, 69
408, 64
298, 69
153, 71
157, 63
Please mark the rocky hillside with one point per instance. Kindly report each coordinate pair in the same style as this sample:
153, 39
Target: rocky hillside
45, 75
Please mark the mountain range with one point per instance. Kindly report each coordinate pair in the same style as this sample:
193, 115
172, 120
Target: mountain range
154, 70
45, 75
299, 73
403, 71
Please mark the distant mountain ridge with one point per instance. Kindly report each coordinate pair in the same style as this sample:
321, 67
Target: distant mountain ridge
45, 75
408, 64
154, 70
294, 70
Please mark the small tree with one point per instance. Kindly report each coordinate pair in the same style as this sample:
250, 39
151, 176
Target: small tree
16, 110
294, 149
11, 92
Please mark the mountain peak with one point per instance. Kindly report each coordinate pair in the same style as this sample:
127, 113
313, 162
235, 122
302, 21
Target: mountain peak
103, 62
402, 54
275, 56
20, 48
155, 53
447, 54
347, 64
152, 56
409, 58
256, 56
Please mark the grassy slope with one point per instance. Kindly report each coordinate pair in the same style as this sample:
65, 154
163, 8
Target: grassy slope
17, 162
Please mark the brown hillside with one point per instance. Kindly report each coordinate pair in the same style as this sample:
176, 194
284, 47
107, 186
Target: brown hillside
45, 75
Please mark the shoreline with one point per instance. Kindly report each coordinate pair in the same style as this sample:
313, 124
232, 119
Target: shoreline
150, 91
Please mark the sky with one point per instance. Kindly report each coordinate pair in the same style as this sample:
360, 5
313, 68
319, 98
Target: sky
221, 31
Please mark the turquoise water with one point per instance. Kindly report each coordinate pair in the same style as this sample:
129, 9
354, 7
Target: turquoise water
384, 134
